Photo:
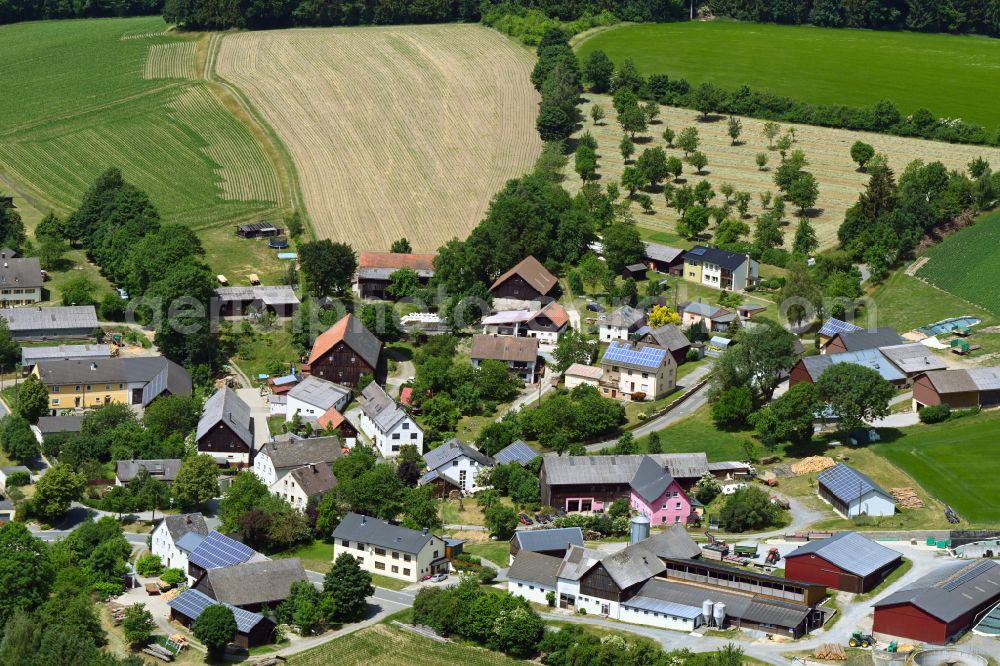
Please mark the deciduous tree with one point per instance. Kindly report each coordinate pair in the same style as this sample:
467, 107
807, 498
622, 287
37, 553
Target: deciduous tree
348, 586
855, 393
215, 627
328, 266
55, 490
197, 481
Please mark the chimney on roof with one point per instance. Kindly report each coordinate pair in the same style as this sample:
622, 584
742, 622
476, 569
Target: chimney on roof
312, 467
364, 519
425, 531
93, 366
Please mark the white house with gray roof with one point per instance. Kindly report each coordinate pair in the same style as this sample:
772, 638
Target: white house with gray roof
458, 464
277, 458
390, 550
313, 397
387, 424
20, 281
622, 323
166, 539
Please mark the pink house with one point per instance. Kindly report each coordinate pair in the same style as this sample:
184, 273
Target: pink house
657, 495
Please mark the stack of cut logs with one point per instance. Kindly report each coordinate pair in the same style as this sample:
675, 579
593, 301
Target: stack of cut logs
907, 498
831, 652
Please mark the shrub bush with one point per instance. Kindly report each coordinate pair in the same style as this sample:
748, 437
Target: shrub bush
487, 575
149, 565
935, 413
18, 479
962, 413
173, 577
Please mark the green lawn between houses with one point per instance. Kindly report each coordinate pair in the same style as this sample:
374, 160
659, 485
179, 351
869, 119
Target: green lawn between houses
944, 73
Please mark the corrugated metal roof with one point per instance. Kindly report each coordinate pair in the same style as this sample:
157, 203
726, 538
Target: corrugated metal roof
985, 379
958, 592
319, 392
555, 539
626, 317
32, 355
666, 607
49, 319
664, 253
869, 358
848, 484
913, 358
851, 552
226, 406
865, 338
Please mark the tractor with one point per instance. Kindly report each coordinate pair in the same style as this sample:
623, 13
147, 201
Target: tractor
861, 639
773, 556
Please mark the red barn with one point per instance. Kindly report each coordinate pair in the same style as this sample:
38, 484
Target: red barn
845, 561
941, 607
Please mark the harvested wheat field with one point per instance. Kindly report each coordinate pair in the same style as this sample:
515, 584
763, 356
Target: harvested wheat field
827, 151
394, 131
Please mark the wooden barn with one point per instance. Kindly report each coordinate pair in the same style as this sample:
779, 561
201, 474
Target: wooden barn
528, 281
846, 561
226, 429
345, 352
252, 629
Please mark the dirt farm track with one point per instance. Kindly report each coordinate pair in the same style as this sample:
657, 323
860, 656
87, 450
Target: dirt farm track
394, 131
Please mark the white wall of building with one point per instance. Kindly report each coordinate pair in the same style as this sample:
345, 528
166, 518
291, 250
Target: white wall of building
659, 620
462, 471
162, 544
572, 381
263, 468
308, 411
406, 431
609, 333
529, 590
392, 563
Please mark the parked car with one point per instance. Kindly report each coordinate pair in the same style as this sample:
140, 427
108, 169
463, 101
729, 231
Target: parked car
540, 518
523, 517
437, 578
595, 307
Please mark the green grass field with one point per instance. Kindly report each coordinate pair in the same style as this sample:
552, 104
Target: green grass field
949, 75
955, 462
385, 645
83, 96
697, 433
965, 263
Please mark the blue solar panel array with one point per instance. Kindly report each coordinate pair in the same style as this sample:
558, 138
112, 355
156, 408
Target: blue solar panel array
697, 251
647, 357
847, 483
192, 603
518, 452
217, 551
832, 327
972, 573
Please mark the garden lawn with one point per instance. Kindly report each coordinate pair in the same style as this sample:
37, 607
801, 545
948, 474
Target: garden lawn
317, 556
976, 250
497, 552
906, 303
386, 645
266, 352
949, 75
955, 462
697, 433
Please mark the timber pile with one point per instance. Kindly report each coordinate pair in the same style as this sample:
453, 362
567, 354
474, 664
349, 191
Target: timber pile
831, 651
907, 498
158, 651
812, 464
170, 595
117, 613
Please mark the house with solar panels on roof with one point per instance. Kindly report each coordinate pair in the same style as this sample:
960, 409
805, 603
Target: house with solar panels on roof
455, 464
252, 585
215, 551
252, 629
721, 269
943, 605
852, 493
640, 371
845, 561
832, 327
517, 451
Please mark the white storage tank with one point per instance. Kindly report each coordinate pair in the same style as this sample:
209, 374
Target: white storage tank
639, 529
719, 613
706, 611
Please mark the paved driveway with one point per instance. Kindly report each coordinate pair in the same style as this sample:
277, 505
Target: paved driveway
260, 410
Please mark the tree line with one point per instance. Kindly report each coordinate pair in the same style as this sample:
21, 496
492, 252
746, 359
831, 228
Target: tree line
14, 11
956, 16
256, 14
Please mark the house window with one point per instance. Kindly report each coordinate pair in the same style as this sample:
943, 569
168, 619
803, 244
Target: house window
55, 389
435, 554
380, 566
88, 387
645, 375
454, 463
413, 435
395, 569
461, 478
395, 555
107, 387
395, 435
664, 506
395, 447
406, 425
121, 386
406, 572
380, 552
77, 389
55, 401
406, 558
677, 505
360, 546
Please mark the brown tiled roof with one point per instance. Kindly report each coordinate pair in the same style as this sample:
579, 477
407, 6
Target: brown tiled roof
504, 348
532, 272
424, 262
351, 331
314, 479
556, 313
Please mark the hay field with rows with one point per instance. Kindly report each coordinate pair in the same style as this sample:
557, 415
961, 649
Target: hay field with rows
94, 94
394, 131
827, 151
965, 263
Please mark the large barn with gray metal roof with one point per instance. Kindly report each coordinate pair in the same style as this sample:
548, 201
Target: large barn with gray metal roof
942, 606
846, 561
